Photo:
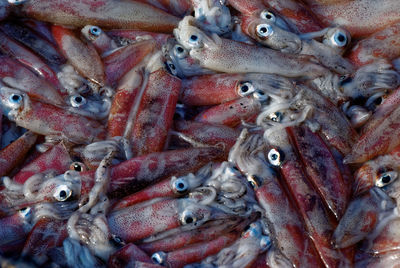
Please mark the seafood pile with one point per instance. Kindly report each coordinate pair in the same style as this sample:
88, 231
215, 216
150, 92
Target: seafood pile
200, 133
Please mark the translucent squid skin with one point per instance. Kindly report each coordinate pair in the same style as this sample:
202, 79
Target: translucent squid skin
176, 7
384, 109
127, 256
15, 50
230, 113
83, 57
47, 233
360, 18
321, 168
382, 44
34, 41
16, 75
155, 113
47, 119
310, 205
380, 140
55, 159
136, 35
121, 61
138, 172
13, 232
14, 154
120, 14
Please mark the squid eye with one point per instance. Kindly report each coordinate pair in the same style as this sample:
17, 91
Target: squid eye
16, 2
15, 100
264, 30
180, 186
386, 178
265, 243
171, 67
260, 95
62, 193
337, 38
159, 257
275, 157
245, 88
276, 117
179, 52
25, 212
77, 166
95, 31
77, 101
188, 217
268, 15
254, 181
194, 40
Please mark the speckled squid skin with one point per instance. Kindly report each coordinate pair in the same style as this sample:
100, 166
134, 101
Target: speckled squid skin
319, 224
15, 153
47, 233
83, 57
176, 7
132, 224
155, 113
361, 18
321, 168
204, 233
46, 119
13, 233
200, 251
138, 172
382, 44
287, 229
22, 78
103, 13
384, 109
201, 90
55, 159
15, 50
378, 141
230, 113
127, 255
124, 59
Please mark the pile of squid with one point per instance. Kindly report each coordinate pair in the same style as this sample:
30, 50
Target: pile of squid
200, 133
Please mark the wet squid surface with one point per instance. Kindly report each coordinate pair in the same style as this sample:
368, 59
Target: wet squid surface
199, 133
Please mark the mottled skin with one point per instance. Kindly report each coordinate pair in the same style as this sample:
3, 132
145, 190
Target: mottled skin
225, 55
124, 59
319, 224
377, 141
230, 113
321, 169
123, 14
12, 155
155, 113
13, 232
46, 119
55, 159
136, 35
17, 75
287, 232
176, 7
41, 46
15, 50
83, 57
382, 44
127, 255
359, 17
138, 172
47, 233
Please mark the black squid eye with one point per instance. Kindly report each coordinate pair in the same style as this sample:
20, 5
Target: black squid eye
275, 157
386, 178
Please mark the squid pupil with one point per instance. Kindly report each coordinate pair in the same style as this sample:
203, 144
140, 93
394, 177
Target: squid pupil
274, 156
78, 99
263, 30
63, 194
189, 220
268, 16
179, 49
15, 97
378, 101
341, 38
77, 167
193, 37
386, 179
245, 88
181, 186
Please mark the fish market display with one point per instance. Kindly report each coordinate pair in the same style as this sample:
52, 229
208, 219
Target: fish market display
199, 133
